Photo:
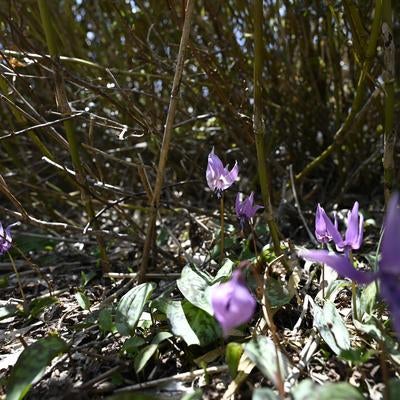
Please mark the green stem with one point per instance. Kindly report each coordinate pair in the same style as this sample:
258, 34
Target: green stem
222, 228
262, 165
353, 292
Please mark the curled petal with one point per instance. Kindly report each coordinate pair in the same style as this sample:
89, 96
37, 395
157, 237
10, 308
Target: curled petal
354, 231
340, 263
333, 231
321, 232
245, 209
218, 177
234, 173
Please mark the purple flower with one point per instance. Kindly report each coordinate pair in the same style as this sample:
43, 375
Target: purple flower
389, 265
219, 178
354, 232
5, 239
339, 262
321, 232
245, 210
232, 302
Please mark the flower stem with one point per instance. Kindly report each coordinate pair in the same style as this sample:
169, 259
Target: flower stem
18, 278
385, 374
222, 228
354, 299
353, 292
267, 311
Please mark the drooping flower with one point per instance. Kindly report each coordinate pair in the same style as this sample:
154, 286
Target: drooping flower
219, 178
354, 232
232, 302
388, 271
5, 239
246, 209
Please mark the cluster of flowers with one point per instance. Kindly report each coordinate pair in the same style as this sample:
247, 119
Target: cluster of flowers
388, 272
232, 302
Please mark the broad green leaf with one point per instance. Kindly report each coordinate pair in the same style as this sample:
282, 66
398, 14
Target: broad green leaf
263, 353
105, 320
331, 327
193, 284
132, 344
83, 300
357, 356
177, 318
308, 390
131, 306
335, 287
372, 327
8, 311
147, 352
264, 394
232, 356
224, 272
394, 389
31, 365
203, 324
367, 300
87, 277
277, 292
37, 306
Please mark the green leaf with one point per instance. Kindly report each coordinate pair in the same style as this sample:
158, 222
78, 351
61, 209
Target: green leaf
193, 284
87, 277
277, 293
262, 352
308, 390
132, 344
105, 320
37, 306
232, 356
334, 287
224, 272
367, 300
264, 394
131, 306
177, 318
357, 356
195, 395
83, 300
331, 327
394, 389
203, 324
147, 352
31, 365
8, 311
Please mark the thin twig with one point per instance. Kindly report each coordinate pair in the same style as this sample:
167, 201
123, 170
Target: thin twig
166, 140
296, 199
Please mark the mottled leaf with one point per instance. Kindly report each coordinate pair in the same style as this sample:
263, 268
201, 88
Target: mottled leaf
331, 327
262, 352
31, 365
193, 284
131, 306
